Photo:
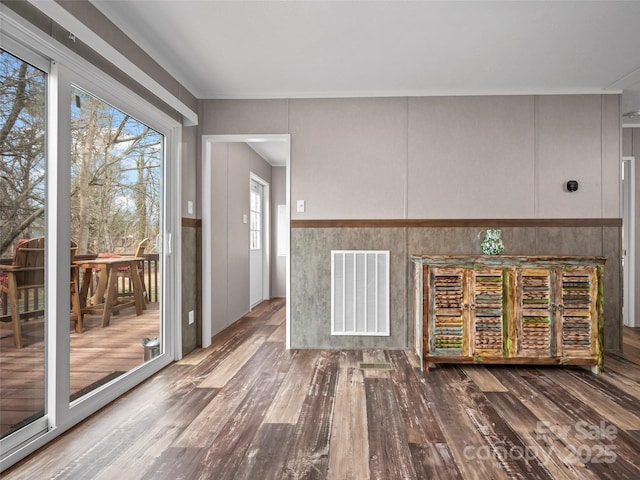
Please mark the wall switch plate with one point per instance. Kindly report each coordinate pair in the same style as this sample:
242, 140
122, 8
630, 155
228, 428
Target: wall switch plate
192, 317
244, 218
300, 206
189, 207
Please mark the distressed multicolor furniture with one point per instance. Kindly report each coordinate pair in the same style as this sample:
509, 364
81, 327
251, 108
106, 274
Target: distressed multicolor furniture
508, 309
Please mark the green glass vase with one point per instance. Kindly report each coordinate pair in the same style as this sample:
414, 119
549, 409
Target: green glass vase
492, 243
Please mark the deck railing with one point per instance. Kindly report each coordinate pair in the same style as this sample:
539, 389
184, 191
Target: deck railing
32, 298
150, 278
150, 274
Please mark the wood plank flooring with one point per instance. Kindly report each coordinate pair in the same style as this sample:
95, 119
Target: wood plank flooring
96, 355
246, 408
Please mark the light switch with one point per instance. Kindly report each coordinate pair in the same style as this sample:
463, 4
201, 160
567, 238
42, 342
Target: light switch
244, 218
190, 207
300, 206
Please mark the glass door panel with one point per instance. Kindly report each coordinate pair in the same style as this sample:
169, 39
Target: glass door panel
22, 243
116, 217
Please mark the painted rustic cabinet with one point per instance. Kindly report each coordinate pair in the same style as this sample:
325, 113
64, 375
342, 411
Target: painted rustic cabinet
508, 309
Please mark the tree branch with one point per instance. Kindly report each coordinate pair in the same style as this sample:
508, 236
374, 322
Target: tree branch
18, 104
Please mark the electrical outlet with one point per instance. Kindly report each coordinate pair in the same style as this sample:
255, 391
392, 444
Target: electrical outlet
192, 317
300, 206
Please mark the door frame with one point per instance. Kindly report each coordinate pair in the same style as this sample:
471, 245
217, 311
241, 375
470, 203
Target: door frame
207, 240
628, 274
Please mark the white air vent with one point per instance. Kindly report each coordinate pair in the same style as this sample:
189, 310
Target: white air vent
359, 292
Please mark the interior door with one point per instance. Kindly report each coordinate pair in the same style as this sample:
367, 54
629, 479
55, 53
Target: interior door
256, 242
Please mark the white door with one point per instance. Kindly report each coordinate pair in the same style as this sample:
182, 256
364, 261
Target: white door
628, 242
256, 242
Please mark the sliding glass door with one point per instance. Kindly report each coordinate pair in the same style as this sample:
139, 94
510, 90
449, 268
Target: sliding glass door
116, 173
89, 241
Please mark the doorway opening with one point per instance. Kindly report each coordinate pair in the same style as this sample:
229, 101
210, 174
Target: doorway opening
211, 143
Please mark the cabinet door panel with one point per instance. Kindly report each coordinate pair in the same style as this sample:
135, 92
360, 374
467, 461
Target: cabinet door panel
534, 312
578, 312
487, 311
448, 315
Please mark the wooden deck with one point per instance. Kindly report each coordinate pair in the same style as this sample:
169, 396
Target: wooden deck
246, 408
97, 355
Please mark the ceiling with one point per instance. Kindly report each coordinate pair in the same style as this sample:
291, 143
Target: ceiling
276, 152
302, 49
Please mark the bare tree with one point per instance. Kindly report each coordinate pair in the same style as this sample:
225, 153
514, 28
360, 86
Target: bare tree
114, 155
22, 110
115, 166
83, 183
141, 200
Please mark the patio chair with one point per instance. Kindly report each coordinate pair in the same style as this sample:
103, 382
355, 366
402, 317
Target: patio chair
25, 280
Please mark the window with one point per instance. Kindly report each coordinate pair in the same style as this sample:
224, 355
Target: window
22, 216
256, 216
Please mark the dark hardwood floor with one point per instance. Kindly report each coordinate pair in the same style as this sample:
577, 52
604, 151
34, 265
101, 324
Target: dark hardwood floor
246, 408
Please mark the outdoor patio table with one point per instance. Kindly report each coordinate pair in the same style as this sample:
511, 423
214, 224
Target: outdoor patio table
108, 286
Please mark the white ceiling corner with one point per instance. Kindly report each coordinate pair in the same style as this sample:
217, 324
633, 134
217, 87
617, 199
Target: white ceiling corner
274, 152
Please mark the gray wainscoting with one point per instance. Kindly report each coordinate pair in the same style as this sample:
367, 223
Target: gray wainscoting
311, 271
191, 284
311, 285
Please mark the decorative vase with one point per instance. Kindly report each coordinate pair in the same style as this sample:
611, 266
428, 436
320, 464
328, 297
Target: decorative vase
492, 243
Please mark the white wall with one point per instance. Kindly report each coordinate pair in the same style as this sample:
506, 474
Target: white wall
278, 264
631, 148
574, 141
232, 164
441, 157
456, 157
189, 173
348, 157
471, 157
